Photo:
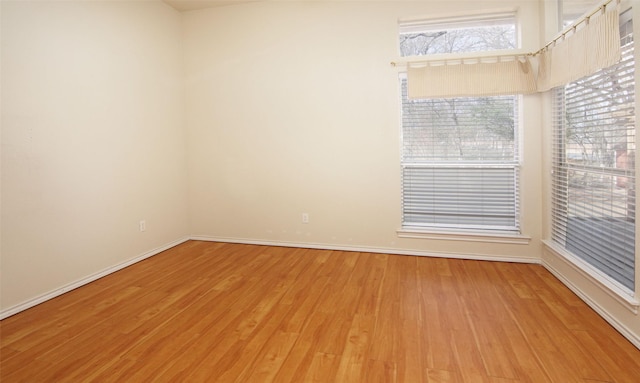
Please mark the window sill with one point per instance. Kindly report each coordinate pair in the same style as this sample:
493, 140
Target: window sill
468, 236
616, 291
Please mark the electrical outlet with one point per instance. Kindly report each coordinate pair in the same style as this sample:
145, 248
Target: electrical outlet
143, 225
305, 217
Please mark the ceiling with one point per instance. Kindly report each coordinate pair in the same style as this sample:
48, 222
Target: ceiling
190, 5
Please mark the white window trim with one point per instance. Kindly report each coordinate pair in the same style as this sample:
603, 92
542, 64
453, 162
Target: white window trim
474, 19
463, 235
615, 290
477, 18
473, 235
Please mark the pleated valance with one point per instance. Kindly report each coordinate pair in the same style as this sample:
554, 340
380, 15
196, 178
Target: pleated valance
585, 51
477, 79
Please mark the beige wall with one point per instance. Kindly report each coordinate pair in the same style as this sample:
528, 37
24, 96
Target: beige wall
293, 107
92, 139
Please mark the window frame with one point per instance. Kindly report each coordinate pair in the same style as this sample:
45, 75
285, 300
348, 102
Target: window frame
457, 22
560, 168
466, 165
513, 236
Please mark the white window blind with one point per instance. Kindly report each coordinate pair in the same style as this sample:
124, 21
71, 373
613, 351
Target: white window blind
460, 163
593, 186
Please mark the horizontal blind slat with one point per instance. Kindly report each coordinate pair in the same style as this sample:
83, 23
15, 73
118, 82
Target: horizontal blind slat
462, 196
593, 181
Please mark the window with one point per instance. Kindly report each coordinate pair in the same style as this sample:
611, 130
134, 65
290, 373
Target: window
471, 34
573, 10
460, 158
593, 167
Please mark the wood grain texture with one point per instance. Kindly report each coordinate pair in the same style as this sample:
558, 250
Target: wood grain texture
221, 312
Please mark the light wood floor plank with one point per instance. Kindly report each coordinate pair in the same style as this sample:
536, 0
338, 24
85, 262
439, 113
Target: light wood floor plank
223, 312
323, 368
295, 367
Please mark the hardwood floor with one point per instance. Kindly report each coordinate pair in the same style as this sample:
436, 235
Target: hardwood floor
204, 312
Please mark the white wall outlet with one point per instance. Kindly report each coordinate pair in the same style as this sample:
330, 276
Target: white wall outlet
305, 217
143, 225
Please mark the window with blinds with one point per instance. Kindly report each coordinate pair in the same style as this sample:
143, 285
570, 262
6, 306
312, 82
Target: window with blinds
593, 211
460, 162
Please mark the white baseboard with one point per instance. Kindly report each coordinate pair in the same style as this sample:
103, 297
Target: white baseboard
88, 279
365, 249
